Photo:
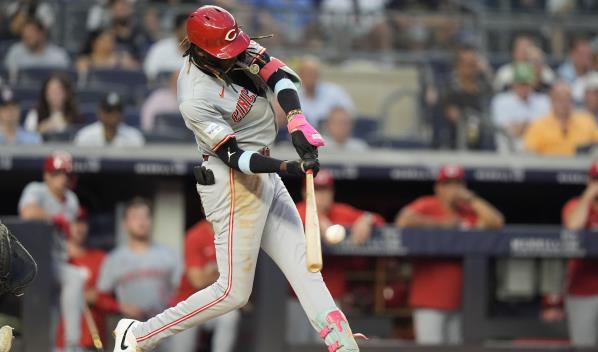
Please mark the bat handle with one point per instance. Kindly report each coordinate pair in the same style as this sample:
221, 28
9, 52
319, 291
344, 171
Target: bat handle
309, 172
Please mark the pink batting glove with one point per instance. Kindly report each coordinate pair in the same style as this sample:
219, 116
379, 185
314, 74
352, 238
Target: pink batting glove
299, 123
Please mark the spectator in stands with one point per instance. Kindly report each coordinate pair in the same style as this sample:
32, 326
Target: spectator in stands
91, 260
563, 130
544, 76
161, 101
109, 130
436, 284
464, 124
56, 108
201, 271
166, 54
339, 129
577, 66
142, 275
515, 109
129, 36
52, 200
34, 50
581, 213
19, 12
100, 52
523, 51
591, 94
360, 224
10, 113
319, 98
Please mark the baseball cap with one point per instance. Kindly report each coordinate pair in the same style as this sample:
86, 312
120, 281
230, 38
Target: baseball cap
324, 179
593, 171
591, 81
7, 96
450, 173
112, 101
523, 73
59, 161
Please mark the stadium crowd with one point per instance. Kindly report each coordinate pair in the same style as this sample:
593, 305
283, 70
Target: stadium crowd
119, 90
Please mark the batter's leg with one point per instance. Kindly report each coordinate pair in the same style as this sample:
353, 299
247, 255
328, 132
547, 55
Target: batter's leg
225, 331
237, 206
284, 241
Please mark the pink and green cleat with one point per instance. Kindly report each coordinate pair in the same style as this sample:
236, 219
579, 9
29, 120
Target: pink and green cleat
336, 333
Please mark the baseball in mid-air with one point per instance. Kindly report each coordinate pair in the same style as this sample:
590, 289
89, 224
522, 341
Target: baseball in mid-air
335, 234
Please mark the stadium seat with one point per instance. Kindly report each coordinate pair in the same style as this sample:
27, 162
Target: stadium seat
128, 83
88, 95
37, 75
169, 121
379, 141
162, 79
131, 116
26, 93
364, 127
88, 113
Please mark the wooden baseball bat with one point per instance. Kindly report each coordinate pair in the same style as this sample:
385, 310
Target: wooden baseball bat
312, 227
93, 329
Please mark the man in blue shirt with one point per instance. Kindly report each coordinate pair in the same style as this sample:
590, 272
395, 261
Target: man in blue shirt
10, 131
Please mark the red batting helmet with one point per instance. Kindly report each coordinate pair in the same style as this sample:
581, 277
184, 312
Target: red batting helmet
215, 30
59, 161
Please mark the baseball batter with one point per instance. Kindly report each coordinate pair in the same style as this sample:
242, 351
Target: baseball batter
225, 90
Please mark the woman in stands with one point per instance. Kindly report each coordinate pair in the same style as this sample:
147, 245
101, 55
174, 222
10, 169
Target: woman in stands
56, 109
101, 51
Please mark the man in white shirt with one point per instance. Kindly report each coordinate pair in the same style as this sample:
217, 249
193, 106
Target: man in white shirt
166, 54
319, 98
109, 130
339, 129
34, 50
514, 109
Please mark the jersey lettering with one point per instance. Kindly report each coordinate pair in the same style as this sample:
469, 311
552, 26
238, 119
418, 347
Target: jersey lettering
244, 104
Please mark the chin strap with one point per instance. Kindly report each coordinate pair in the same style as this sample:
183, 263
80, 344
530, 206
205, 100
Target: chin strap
335, 331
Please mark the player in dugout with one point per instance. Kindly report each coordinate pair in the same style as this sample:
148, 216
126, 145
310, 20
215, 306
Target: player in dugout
436, 284
360, 224
52, 200
581, 213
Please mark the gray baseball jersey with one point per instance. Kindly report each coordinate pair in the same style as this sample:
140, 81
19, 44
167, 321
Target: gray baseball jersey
247, 212
146, 280
39, 194
216, 112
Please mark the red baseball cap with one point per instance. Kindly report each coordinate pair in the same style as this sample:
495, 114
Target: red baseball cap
450, 172
59, 161
324, 179
593, 172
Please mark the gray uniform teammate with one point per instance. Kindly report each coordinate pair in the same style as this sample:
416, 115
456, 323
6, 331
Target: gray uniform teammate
143, 275
52, 200
225, 88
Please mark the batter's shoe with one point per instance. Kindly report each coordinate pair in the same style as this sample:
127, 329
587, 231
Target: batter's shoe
336, 333
124, 340
5, 338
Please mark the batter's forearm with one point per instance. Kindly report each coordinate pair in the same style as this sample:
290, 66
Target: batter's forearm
252, 162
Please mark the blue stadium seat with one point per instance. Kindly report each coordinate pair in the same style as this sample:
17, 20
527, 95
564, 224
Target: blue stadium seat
378, 141
128, 83
3, 73
88, 95
364, 127
131, 116
26, 93
169, 121
88, 113
37, 75
169, 136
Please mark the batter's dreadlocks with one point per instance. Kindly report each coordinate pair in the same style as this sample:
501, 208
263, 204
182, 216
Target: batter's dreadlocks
206, 62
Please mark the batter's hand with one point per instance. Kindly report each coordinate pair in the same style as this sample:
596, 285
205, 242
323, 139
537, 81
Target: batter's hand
304, 149
203, 176
299, 167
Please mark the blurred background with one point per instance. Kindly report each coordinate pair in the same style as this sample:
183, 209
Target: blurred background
460, 141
